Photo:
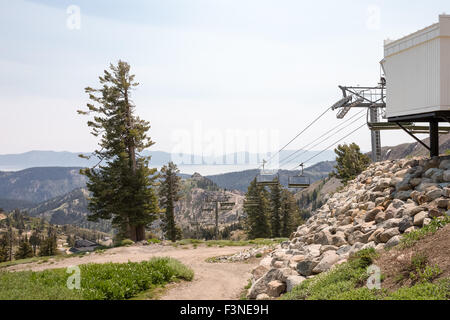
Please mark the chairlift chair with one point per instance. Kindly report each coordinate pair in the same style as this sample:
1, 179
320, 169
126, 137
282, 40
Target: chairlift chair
267, 177
300, 181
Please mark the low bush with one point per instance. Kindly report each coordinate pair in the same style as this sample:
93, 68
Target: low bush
409, 239
109, 281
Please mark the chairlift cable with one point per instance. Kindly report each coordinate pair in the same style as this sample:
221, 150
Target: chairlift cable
334, 128
300, 133
327, 138
332, 145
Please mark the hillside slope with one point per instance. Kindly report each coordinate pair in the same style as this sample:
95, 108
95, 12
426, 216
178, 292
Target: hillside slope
241, 180
39, 184
378, 209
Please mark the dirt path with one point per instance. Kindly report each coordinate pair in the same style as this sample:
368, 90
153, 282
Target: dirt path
216, 281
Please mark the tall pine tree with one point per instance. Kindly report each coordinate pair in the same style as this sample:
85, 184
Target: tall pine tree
257, 224
122, 185
290, 217
275, 207
169, 194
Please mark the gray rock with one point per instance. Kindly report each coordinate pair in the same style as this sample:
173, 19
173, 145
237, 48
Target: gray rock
262, 296
328, 260
404, 224
338, 239
388, 234
446, 176
418, 218
343, 250
305, 267
293, 281
434, 194
393, 241
370, 215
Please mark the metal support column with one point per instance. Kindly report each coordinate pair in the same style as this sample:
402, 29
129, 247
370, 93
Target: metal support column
434, 138
375, 135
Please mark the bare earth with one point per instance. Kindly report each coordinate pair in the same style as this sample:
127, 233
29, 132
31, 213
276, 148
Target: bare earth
212, 281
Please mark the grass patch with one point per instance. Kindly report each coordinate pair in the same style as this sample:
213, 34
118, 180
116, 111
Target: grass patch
243, 295
347, 282
342, 283
409, 239
109, 281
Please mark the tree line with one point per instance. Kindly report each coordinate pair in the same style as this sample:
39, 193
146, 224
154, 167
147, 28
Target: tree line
270, 213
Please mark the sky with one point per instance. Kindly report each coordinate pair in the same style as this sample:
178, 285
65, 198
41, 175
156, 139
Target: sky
212, 73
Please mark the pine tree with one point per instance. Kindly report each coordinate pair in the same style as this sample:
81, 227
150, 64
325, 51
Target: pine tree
275, 206
350, 162
290, 217
48, 246
257, 224
4, 248
122, 185
35, 240
24, 251
169, 193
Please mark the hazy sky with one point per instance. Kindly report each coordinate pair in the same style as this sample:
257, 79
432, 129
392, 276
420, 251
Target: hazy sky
207, 67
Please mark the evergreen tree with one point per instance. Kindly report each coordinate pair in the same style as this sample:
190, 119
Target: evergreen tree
35, 240
4, 248
275, 206
169, 193
48, 246
122, 185
350, 162
290, 217
257, 224
24, 251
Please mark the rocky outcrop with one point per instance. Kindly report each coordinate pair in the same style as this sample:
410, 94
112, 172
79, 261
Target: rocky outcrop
388, 199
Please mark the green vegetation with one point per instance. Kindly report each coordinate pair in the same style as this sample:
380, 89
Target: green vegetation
350, 162
243, 295
126, 242
256, 207
271, 214
110, 281
347, 282
169, 193
122, 186
423, 291
409, 239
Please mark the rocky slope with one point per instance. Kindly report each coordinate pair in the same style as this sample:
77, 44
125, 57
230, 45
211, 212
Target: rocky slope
388, 199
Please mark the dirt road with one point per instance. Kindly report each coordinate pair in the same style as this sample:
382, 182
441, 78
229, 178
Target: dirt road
217, 281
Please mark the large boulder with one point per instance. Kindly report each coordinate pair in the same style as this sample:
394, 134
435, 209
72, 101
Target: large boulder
293, 281
328, 260
393, 241
418, 218
306, 267
388, 234
275, 288
370, 215
259, 271
404, 224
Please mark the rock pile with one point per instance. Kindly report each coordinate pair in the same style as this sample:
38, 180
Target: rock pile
387, 200
245, 254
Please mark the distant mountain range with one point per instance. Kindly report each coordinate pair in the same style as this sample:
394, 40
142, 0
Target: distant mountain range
32, 159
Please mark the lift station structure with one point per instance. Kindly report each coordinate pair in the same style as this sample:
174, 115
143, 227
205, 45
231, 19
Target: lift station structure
415, 88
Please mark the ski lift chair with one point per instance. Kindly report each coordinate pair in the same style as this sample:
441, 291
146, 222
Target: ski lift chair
300, 181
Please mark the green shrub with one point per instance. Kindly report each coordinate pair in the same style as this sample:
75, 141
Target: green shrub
153, 240
409, 239
109, 281
422, 291
126, 242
